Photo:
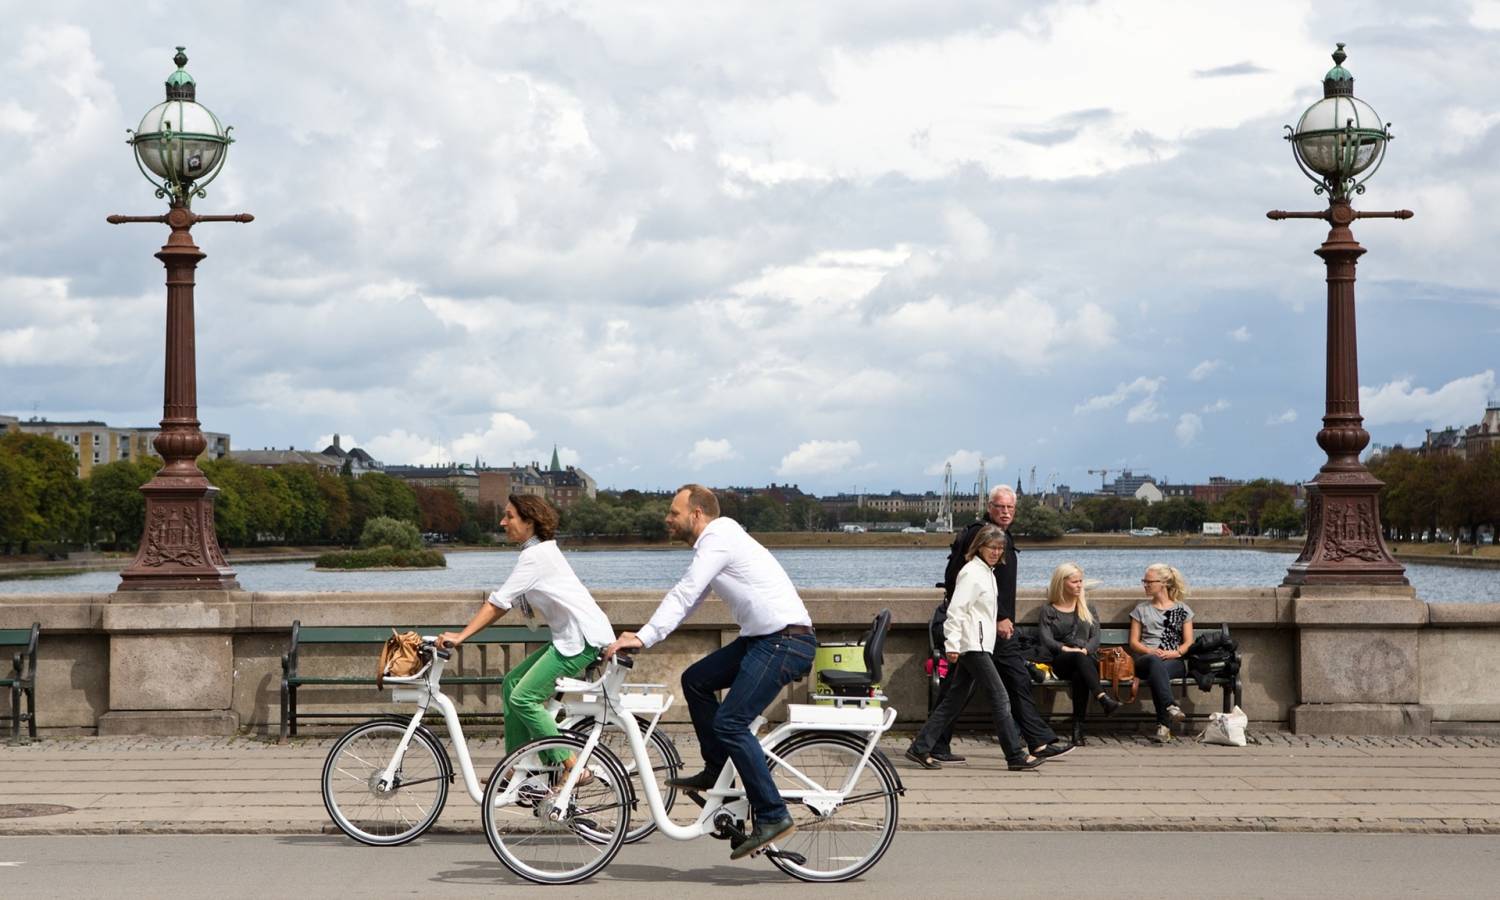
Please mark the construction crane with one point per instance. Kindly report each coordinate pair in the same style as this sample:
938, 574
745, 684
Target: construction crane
1031, 482
1103, 474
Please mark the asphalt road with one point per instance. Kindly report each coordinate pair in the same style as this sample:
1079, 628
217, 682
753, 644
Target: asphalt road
922, 864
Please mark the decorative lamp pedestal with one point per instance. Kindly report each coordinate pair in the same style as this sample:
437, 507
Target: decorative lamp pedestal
1358, 669
171, 663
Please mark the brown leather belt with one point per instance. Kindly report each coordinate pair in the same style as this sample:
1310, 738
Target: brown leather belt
797, 629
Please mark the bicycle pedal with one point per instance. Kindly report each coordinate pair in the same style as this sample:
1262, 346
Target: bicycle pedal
795, 859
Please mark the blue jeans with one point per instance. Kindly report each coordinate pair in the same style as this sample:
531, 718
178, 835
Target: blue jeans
754, 669
1158, 674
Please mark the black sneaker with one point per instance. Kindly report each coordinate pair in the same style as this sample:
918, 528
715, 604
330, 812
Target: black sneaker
703, 781
944, 756
1054, 750
763, 834
1022, 765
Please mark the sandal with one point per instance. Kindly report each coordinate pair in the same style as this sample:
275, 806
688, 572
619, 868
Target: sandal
926, 762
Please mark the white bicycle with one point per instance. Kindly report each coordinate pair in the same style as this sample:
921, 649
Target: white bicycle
554, 825
385, 781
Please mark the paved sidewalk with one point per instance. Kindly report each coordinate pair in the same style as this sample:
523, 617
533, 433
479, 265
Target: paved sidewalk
1280, 782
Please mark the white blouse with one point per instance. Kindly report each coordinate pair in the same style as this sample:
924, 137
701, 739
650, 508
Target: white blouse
544, 586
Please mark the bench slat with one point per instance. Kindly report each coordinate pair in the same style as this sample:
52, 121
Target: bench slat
501, 634
11, 637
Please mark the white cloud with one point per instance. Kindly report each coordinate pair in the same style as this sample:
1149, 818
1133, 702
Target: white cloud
1285, 418
707, 451
1219, 405
1204, 369
1189, 426
1142, 386
1459, 402
965, 461
1241, 334
819, 458
1144, 411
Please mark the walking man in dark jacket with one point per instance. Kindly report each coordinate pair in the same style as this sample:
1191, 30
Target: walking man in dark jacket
1000, 509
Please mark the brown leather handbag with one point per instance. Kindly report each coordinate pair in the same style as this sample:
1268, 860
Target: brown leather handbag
399, 656
1116, 667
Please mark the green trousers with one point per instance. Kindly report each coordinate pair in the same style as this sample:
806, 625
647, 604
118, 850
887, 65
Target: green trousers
531, 684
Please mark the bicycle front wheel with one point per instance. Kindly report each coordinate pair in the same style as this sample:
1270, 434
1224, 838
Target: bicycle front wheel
542, 839
845, 822
384, 815
661, 755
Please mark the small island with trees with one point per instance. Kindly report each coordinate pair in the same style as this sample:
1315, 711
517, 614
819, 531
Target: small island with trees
385, 543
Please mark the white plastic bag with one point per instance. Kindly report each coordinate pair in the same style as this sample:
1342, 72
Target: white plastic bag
1226, 728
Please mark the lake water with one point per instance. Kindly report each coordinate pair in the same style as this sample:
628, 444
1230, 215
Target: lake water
862, 568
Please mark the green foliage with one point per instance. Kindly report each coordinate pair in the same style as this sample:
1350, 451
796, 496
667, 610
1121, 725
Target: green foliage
1037, 521
378, 494
1428, 494
1281, 517
1112, 513
384, 531
117, 508
1242, 507
441, 510
40, 491
382, 557
1177, 515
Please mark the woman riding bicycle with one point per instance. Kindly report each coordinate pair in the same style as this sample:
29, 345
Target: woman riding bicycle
544, 587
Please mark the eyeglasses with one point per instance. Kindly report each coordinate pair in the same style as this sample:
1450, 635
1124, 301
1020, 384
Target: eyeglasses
1001, 505
1151, 581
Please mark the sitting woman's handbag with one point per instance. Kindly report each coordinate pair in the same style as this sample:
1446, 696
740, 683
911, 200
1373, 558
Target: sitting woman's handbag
399, 657
1117, 668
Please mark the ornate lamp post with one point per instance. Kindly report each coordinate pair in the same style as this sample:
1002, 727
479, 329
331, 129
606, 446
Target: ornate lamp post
180, 147
1339, 143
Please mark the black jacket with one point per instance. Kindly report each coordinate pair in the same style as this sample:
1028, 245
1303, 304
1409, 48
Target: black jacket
1005, 573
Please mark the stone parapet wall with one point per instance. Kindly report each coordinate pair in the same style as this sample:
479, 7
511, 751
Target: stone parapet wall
148, 653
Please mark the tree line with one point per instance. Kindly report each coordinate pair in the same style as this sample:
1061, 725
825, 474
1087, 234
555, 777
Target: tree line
44, 504
1431, 497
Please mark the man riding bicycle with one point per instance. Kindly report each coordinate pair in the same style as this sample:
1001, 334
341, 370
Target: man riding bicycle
775, 647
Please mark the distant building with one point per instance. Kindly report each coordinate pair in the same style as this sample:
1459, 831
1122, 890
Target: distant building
1485, 436
1127, 483
272, 459
560, 485
96, 443
358, 461
1217, 489
460, 478
1149, 492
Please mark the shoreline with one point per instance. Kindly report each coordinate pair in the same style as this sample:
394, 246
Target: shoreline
1437, 554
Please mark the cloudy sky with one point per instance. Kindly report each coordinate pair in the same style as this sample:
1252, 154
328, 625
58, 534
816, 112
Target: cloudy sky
835, 244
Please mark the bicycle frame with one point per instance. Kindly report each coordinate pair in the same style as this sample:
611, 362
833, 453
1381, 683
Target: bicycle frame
424, 689
603, 700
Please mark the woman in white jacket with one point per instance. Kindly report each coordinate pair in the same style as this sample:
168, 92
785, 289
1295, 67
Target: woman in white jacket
969, 635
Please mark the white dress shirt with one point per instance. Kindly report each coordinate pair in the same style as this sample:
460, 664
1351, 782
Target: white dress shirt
544, 585
744, 574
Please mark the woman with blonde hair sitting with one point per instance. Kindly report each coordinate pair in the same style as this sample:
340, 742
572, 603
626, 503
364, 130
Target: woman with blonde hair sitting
1161, 631
1069, 636
969, 636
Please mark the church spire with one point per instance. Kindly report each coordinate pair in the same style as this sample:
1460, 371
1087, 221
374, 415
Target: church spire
556, 465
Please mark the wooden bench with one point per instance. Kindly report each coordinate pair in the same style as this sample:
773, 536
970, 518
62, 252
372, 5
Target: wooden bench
374, 637
1221, 675
22, 678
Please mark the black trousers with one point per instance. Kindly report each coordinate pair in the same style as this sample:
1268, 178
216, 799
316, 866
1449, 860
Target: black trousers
1011, 668
1083, 671
974, 669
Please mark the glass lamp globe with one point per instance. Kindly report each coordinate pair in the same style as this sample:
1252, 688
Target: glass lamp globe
179, 140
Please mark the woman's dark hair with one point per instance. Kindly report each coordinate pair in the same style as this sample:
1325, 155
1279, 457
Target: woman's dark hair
538, 512
989, 534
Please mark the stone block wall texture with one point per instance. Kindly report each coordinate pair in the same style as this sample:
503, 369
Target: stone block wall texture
223, 650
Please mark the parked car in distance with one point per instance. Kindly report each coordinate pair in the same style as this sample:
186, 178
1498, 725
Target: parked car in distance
1145, 532
912, 529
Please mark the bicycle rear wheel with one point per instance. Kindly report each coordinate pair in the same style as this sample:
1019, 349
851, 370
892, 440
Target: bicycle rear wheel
398, 813
661, 754
836, 839
538, 839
